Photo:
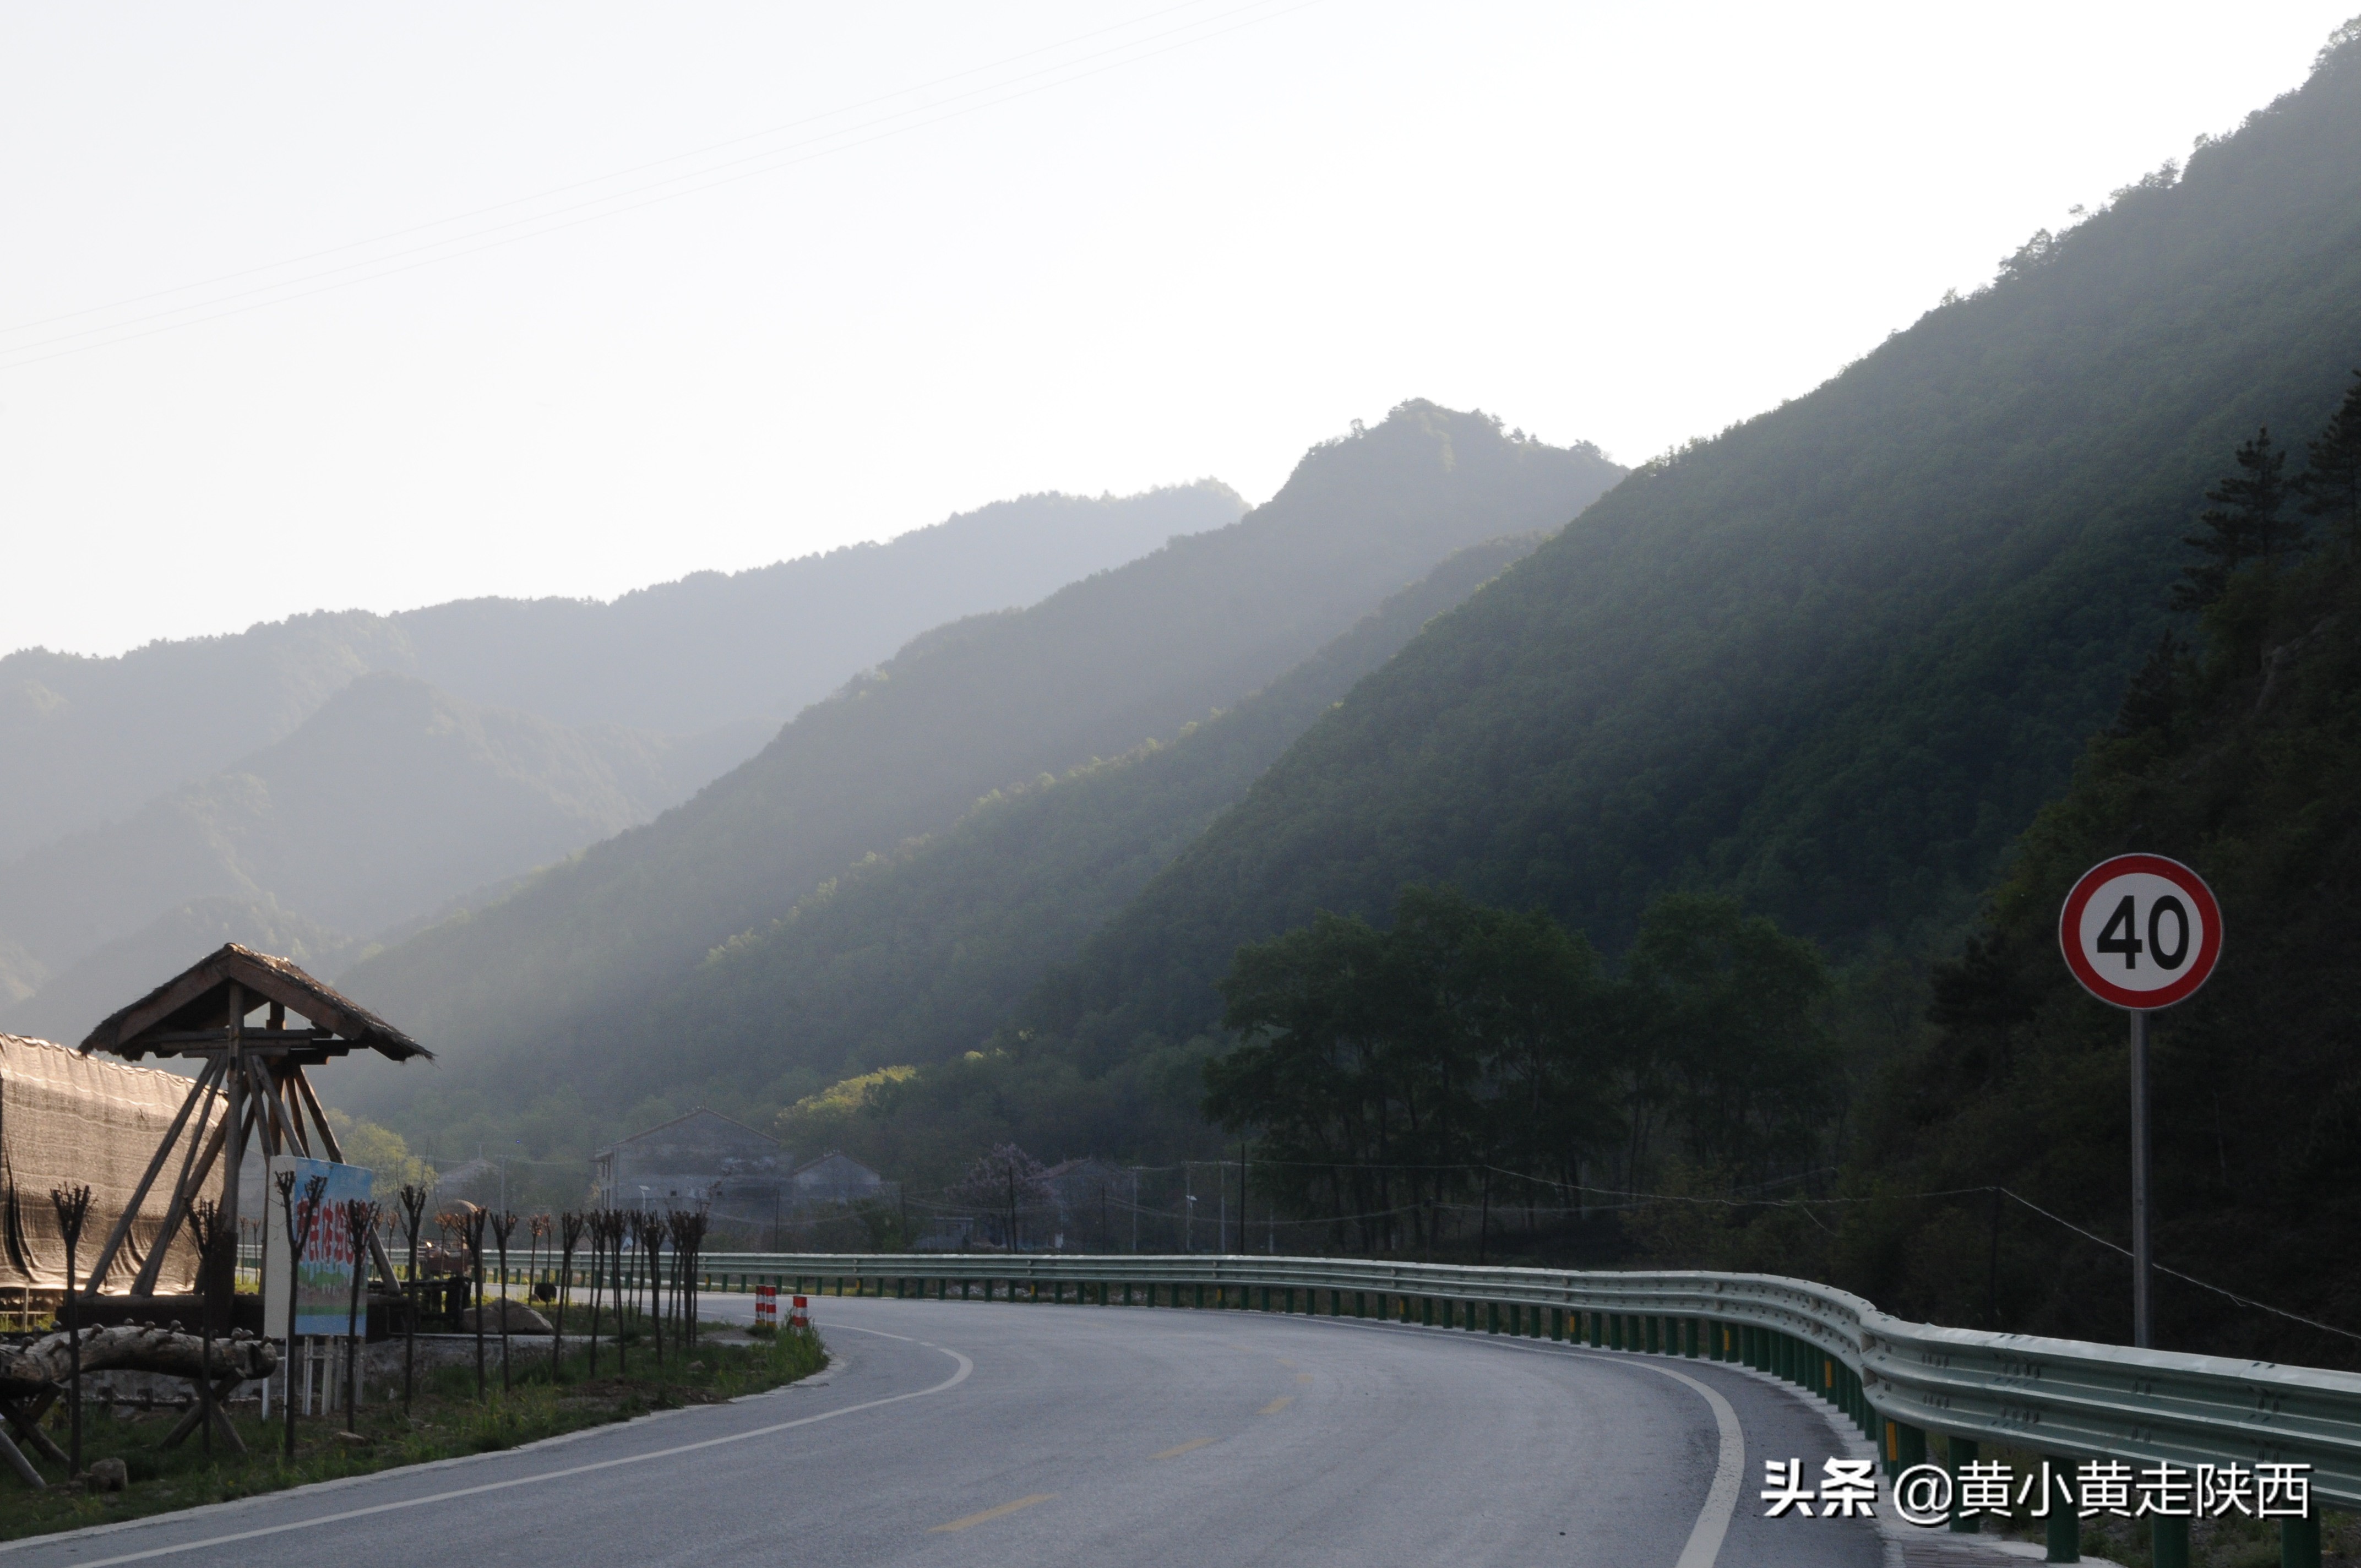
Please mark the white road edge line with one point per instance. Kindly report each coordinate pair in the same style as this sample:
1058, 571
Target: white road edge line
1729, 1475
953, 1381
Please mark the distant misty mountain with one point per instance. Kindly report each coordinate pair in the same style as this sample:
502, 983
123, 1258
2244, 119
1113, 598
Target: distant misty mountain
918, 956
74, 999
325, 783
84, 740
981, 704
380, 808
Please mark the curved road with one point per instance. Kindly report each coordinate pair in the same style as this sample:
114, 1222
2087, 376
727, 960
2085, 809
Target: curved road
952, 1433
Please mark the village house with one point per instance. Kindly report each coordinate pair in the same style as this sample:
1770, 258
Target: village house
748, 1183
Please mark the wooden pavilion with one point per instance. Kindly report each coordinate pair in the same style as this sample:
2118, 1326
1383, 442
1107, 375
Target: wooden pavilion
204, 1014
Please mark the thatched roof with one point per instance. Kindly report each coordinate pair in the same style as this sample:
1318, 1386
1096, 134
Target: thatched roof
189, 1015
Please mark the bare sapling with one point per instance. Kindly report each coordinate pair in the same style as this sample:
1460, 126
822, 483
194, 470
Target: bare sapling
205, 1229
300, 1218
413, 1208
503, 1226
360, 1220
570, 1234
72, 1204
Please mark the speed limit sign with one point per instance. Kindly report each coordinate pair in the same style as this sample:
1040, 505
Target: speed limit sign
2140, 931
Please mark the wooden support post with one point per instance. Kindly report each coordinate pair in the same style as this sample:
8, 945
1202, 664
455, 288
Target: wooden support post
23, 1466
28, 1422
235, 1128
200, 1090
221, 1427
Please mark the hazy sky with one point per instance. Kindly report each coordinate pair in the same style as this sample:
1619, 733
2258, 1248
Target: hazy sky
554, 299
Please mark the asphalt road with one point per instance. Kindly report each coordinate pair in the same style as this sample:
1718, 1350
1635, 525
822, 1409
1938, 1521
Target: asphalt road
952, 1433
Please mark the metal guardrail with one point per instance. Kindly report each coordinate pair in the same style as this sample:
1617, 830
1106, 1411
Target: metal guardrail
2069, 1399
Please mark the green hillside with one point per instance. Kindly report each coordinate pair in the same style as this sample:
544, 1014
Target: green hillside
1832, 660
980, 705
731, 657
2244, 761
917, 956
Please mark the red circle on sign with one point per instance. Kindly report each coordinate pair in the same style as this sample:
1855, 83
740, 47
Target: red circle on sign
2073, 919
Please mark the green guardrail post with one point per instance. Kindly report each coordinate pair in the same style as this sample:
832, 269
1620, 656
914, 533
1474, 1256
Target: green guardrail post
1491, 1317
2064, 1532
1959, 1452
2300, 1542
1597, 1329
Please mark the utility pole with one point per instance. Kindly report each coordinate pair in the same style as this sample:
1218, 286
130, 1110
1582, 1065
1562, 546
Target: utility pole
1243, 1246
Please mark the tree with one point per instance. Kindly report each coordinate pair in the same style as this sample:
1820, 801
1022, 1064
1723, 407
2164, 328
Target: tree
2243, 524
1728, 1007
1375, 1067
2330, 485
1006, 1180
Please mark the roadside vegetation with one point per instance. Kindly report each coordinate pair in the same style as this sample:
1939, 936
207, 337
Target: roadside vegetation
446, 1421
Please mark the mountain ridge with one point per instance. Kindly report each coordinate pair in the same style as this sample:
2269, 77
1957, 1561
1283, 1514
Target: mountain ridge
1090, 671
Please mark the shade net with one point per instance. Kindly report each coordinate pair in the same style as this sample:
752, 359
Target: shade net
65, 1119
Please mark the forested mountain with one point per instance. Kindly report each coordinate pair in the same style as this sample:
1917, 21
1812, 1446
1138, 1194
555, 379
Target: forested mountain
86, 739
2239, 756
984, 704
917, 956
1831, 661
383, 805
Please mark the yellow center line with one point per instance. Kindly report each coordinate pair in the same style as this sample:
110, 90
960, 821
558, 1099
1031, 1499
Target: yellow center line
1277, 1404
1284, 1362
1194, 1442
1303, 1377
990, 1514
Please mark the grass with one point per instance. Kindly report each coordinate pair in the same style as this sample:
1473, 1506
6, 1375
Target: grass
446, 1420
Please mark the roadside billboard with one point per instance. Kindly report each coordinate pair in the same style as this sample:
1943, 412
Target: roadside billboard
323, 1283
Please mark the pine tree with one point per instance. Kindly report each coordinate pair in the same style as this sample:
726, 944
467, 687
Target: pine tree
2331, 486
2243, 524
2151, 700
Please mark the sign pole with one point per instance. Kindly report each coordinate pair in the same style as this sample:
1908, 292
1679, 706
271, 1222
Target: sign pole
2140, 932
2142, 1331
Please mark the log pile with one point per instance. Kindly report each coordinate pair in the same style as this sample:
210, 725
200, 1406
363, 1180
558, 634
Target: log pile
132, 1347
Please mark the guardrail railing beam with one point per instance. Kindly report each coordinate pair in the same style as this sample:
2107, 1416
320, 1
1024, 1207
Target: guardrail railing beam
2055, 1395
